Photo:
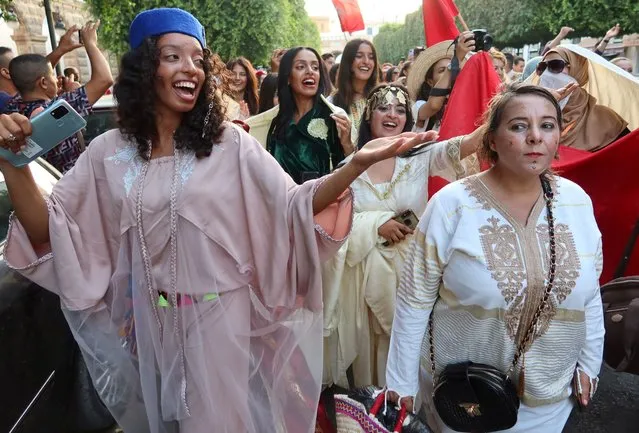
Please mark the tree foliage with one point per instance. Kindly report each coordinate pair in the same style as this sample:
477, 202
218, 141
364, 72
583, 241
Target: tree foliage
7, 10
514, 23
251, 28
592, 17
395, 40
517, 22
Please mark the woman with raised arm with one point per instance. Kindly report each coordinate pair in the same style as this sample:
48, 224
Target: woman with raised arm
360, 281
187, 262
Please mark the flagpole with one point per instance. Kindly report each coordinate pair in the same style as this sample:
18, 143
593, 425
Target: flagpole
463, 23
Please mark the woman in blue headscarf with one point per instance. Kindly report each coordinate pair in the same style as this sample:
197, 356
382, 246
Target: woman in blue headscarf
187, 262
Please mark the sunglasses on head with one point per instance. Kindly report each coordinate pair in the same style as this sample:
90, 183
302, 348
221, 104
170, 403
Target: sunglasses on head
555, 66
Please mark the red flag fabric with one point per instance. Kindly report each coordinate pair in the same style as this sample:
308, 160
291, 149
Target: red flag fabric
439, 21
350, 17
475, 86
609, 177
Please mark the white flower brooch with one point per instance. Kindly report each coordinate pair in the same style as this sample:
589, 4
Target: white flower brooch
318, 129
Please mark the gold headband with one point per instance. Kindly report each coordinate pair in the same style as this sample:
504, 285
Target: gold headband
385, 95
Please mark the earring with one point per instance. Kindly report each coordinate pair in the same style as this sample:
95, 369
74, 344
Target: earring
207, 118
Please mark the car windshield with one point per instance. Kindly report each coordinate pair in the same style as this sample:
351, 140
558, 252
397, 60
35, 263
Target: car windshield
45, 177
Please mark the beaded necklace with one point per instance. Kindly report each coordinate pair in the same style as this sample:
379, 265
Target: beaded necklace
146, 259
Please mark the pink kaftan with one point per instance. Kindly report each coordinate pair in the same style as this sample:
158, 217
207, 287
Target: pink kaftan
244, 353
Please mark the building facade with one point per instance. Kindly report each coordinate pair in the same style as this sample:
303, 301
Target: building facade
27, 31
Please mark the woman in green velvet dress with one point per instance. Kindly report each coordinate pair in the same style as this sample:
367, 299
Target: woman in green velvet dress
308, 136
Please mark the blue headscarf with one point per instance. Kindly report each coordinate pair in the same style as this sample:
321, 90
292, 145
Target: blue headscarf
156, 22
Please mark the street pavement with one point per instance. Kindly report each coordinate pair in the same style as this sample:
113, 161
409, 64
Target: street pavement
615, 408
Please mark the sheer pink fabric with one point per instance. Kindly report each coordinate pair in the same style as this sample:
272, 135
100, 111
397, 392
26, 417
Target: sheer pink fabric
249, 251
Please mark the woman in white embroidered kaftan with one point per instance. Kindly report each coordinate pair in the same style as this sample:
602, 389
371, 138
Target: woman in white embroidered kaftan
479, 263
186, 260
360, 280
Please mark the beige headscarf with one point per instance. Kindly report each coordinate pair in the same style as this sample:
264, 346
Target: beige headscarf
587, 125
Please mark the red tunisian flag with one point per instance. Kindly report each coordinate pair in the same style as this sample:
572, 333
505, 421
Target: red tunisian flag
350, 17
609, 177
475, 86
439, 21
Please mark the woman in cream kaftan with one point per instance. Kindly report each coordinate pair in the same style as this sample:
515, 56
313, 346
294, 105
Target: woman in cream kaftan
484, 272
360, 280
246, 272
479, 266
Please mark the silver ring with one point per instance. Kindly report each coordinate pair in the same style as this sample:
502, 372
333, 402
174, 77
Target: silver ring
11, 138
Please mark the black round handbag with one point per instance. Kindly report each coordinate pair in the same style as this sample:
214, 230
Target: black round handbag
479, 398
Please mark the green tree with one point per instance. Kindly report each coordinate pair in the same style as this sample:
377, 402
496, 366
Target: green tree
251, 28
511, 22
395, 40
7, 10
592, 17
514, 23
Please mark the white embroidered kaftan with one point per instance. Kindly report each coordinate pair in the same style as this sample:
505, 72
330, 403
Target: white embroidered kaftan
242, 350
487, 273
360, 280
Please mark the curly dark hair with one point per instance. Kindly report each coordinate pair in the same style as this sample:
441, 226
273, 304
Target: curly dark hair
135, 93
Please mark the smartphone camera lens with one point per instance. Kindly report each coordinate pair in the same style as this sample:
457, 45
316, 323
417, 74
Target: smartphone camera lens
59, 112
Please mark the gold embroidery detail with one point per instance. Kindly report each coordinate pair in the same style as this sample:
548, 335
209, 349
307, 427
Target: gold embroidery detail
503, 257
568, 263
386, 194
518, 259
470, 184
453, 150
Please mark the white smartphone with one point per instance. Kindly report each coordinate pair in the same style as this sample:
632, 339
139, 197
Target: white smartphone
49, 128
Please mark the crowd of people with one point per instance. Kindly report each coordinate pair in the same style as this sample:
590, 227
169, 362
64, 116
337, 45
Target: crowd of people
245, 241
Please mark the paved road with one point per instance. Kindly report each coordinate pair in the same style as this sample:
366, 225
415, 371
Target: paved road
615, 408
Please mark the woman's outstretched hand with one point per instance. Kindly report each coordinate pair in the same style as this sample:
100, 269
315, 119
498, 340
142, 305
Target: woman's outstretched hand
388, 147
374, 151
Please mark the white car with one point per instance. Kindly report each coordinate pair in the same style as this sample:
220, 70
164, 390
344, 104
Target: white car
46, 386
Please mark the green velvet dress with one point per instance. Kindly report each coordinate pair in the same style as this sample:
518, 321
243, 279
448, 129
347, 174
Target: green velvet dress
311, 148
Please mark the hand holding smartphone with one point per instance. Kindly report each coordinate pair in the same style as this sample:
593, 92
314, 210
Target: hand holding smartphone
49, 128
407, 218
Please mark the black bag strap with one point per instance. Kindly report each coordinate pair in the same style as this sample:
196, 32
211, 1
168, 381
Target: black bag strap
623, 263
439, 92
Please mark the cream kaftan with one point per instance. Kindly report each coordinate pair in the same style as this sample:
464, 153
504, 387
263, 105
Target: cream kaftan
240, 349
487, 273
359, 282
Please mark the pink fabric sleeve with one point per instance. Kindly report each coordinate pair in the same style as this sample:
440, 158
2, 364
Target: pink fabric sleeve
79, 230
287, 241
